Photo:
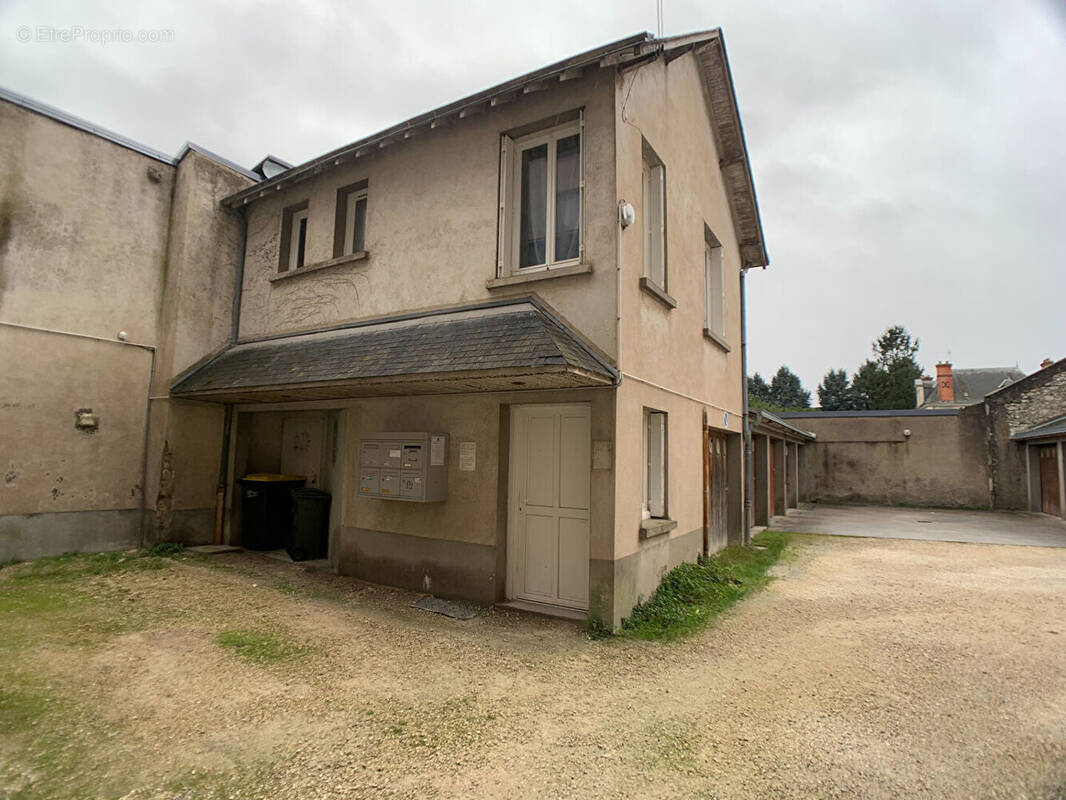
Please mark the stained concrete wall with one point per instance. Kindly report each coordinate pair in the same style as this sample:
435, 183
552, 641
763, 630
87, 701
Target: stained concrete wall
868, 459
82, 247
1039, 397
431, 229
185, 438
66, 489
97, 238
82, 229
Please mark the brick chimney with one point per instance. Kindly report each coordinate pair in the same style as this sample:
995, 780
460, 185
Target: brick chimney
945, 383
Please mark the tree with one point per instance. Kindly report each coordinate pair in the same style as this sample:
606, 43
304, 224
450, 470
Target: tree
758, 388
786, 390
836, 394
888, 380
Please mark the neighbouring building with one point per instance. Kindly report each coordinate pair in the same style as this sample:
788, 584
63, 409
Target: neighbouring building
956, 388
535, 293
1003, 452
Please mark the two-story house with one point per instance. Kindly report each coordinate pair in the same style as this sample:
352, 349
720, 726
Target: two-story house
536, 290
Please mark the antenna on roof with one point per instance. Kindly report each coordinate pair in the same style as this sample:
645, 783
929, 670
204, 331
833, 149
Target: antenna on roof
659, 17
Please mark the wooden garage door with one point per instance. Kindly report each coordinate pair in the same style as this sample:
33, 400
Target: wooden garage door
717, 517
1049, 480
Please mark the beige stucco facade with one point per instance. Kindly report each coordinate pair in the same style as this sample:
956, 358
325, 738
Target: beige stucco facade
200, 239
431, 230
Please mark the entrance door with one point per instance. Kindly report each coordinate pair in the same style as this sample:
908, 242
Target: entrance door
301, 447
548, 505
1049, 480
717, 518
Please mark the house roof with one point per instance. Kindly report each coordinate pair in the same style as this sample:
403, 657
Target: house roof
972, 385
72, 121
1051, 428
709, 48
505, 345
1033, 377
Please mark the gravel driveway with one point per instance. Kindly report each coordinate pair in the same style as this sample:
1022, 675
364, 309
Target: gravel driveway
869, 668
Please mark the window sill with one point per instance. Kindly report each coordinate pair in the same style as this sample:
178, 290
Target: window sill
539, 275
656, 291
650, 528
333, 262
711, 336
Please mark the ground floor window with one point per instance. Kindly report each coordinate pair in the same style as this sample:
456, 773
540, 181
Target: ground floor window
655, 445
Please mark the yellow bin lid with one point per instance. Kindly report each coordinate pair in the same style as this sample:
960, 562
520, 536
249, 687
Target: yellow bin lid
267, 477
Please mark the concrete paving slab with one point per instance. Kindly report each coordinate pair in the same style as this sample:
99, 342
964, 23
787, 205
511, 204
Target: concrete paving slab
933, 525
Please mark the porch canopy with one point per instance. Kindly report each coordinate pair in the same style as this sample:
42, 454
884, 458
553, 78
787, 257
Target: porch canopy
509, 345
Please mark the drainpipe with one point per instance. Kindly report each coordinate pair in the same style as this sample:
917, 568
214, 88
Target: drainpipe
238, 287
749, 466
227, 426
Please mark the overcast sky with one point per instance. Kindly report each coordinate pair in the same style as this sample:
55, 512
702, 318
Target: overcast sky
909, 157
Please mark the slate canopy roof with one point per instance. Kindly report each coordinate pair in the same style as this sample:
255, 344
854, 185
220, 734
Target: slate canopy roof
503, 346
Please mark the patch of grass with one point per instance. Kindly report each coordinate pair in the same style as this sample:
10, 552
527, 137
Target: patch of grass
691, 595
166, 549
259, 647
19, 709
10, 562
82, 565
597, 630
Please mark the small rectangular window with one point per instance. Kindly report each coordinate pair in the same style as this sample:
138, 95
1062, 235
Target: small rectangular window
299, 240
355, 223
349, 226
292, 252
714, 285
541, 187
654, 213
655, 448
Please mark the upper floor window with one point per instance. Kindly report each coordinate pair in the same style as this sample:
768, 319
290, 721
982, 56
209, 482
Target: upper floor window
714, 285
541, 186
654, 208
293, 248
350, 232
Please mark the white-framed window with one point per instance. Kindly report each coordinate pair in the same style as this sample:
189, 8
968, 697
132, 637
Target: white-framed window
355, 222
293, 250
541, 199
714, 285
655, 449
654, 214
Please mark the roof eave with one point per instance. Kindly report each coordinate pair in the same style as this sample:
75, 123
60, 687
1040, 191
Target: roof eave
734, 161
427, 119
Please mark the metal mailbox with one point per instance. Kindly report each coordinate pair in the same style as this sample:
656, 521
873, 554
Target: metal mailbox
404, 466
